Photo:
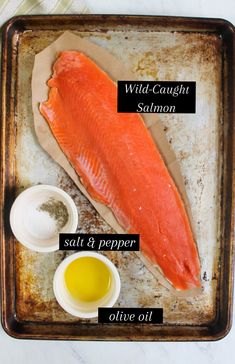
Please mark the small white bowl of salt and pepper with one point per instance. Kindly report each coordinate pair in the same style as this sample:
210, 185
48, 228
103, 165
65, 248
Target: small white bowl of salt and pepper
39, 214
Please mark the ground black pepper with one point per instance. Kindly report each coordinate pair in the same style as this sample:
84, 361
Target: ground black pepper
56, 210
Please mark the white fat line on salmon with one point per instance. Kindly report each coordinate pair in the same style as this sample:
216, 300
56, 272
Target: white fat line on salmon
136, 88
141, 107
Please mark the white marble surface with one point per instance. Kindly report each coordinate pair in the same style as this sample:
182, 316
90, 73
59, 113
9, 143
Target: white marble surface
27, 352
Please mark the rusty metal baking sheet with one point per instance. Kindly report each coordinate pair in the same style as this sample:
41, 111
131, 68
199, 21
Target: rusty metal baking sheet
180, 50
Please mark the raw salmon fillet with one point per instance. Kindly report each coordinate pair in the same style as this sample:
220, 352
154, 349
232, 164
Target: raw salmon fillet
119, 165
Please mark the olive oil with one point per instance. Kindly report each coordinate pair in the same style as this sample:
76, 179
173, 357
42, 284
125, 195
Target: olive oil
87, 279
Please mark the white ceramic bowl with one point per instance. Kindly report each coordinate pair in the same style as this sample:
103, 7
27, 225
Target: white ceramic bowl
34, 228
85, 309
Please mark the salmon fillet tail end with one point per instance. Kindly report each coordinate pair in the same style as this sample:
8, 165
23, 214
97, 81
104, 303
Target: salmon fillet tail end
120, 165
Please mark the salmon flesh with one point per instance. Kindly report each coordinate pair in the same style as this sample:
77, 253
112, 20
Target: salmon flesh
120, 166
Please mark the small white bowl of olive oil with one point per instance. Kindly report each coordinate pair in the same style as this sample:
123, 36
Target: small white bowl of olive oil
39, 214
85, 281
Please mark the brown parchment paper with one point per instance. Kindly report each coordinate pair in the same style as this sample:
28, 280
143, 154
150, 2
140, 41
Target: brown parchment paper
42, 71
